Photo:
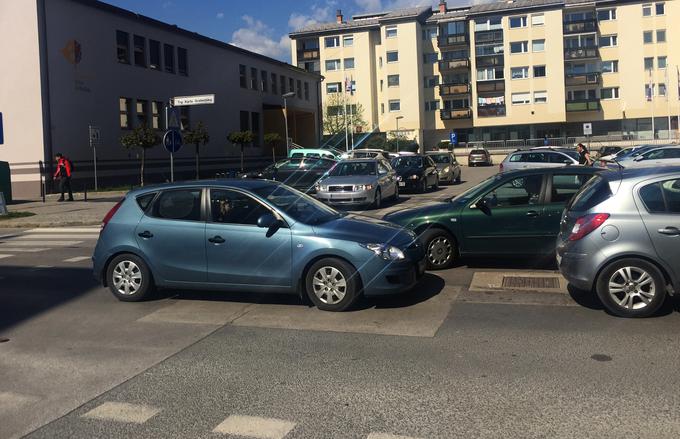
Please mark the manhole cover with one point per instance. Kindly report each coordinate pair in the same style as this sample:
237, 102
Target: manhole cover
530, 282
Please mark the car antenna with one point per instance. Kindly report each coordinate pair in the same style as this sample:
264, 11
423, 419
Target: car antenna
621, 168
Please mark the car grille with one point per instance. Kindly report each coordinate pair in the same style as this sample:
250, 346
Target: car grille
340, 188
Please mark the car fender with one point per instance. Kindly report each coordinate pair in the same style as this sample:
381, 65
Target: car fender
121, 249
635, 253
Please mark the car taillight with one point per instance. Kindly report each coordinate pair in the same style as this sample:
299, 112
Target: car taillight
111, 213
586, 224
500, 167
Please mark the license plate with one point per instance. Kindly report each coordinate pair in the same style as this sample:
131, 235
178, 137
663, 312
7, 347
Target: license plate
402, 184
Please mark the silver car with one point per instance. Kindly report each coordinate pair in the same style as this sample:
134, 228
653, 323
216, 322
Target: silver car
447, 166
620, 237
539, 158
359, 182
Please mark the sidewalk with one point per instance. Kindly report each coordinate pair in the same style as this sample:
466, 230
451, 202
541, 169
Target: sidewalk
55, 214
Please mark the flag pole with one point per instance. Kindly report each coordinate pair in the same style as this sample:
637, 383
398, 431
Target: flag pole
344, 114
668, 102
351, 111
651, 99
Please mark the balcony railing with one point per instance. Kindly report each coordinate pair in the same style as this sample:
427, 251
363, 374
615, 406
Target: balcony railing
456, 113
580, 27
488, 36
578, 53
454, 64
308, 54
491, 111
582, 78
490, 61
584, 105
453, 40
453, 89
490, 86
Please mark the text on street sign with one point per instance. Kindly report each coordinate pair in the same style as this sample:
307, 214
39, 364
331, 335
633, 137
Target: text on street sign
180, 101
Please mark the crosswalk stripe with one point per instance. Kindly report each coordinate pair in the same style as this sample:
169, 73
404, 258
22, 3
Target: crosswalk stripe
5, 256
21, 250
388, 436
41, 243
122, 412
65, 229
255, 427
77, 259
50, 236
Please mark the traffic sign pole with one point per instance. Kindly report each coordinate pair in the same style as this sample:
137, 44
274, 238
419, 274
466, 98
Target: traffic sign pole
172, 162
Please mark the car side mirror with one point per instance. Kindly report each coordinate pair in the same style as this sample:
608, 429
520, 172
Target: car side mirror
270, 222
639, 158
482, 206
566, 162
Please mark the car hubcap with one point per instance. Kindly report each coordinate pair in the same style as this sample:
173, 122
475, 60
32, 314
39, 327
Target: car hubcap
632, 288
127, 278
329, 285
439, 251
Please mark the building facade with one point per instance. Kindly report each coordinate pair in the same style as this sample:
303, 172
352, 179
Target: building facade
81, 63
517, 69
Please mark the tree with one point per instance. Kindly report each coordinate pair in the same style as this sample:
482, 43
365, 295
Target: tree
241, 138
197, 137
404, 143
272, 139
335, 119
143, 138
444, 144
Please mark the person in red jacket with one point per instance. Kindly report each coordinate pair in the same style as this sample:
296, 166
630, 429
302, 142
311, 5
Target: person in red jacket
63, 173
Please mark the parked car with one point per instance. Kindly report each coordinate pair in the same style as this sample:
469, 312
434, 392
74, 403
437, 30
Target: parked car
447, 166
366, 153
539, 158
623, 155
325, 153
661, 156
416, 172
480, 156
513, 213
301, 174
250, 235
620, 237
359, 182
606, 151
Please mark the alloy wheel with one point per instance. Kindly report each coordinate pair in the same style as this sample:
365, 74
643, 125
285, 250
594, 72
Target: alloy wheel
330, 285
632, 288
127, 278
439, 251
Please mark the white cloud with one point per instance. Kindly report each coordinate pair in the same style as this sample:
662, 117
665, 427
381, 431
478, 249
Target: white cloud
318, 14
258, 37
220, 15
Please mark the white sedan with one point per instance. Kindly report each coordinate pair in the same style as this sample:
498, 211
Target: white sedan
664, 156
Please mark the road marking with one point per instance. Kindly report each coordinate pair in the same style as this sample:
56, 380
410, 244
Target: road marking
65, 229
10, 401
5, 256
47, 236
256, 427
122, 412
22, 250
388, 436
41, 243
77, 259
198, 312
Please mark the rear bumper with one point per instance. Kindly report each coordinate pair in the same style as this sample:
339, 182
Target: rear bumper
577, 269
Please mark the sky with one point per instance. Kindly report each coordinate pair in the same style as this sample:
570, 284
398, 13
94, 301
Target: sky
259, 25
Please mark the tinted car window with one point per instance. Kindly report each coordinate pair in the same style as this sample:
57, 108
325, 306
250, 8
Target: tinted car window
671, 192
296, 155
478, 151
565, 186
143, 201
300, 207
593, 193
441, 158
232, 207
653, 198
353, 168
517, 192
179, 205
554, 157
407, 162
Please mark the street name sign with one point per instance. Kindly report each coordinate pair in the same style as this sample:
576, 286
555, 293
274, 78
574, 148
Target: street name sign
181, 101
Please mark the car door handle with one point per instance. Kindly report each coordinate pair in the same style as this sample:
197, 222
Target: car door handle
532, 214
670, 231
145, 234
217, 240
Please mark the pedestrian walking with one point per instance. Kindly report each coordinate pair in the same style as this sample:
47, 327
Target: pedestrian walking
546, 142
584, 155
63, 174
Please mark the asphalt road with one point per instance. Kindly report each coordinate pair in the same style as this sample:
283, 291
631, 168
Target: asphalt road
446, 360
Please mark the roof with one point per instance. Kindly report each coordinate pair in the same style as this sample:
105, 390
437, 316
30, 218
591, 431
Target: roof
628, 173
488, 8
240, 183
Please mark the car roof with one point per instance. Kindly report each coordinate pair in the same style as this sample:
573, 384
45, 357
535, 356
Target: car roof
363, 159
437, 152
559, 170
238, 183
631, 173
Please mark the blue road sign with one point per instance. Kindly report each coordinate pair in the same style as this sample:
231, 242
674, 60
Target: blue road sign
2, 137
172, 141
453, 138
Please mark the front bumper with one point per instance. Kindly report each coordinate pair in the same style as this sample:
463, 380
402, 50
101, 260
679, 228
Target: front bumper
410, 185
445, 177
357, 198
395, 278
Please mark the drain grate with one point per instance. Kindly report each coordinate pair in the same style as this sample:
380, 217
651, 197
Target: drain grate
530, 282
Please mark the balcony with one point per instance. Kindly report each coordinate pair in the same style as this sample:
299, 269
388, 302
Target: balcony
455, 113
453, 89
488, 36
308, 54
454, 64
579, 53
490, 61
574, 79
453, 40
584, 105
491, 111
580, 27
491, 86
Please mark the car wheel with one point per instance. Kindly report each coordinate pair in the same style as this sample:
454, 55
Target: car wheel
377, 200
128, 278
332, 284
436, 183
440, 249
631, 288
395, 197
460, 176
423, 187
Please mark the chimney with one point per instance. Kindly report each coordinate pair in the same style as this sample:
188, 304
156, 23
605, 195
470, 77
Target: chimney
338, 15
442, 6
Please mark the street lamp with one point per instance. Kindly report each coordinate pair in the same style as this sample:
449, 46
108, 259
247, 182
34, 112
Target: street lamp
290, 94
398, 117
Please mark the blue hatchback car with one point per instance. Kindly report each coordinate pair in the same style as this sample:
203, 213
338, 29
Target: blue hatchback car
251, 235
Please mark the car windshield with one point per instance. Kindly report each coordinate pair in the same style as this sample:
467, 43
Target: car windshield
301, 207
345, 169
594, 192
407, 162
573, 154
441, 158
364, 154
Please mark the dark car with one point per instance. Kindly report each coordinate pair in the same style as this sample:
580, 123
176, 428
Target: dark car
301, 174
416, 172
479, 156
513, 213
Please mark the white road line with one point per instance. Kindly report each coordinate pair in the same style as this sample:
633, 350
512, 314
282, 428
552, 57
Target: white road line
22, 250
5, 256
41, 243
65, 229
38, 267
256, 427
77, 259
50, 236
387, 436
122, 412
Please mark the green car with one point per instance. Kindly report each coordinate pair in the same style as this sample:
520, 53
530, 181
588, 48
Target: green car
513, 213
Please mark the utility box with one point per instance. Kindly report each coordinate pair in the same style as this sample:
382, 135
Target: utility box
5, 182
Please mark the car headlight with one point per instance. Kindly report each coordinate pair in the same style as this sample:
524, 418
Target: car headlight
363, 187
321, 188
414, 177
385, 251
446, 169
399, 178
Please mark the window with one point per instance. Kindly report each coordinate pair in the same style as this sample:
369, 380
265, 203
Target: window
255, 127
299, 89
662, 89
183, 205
660, 8
649, 63
538, 45
649, 91
332, 42
540, 97
332, 64
609, 93
431, 81
141, 110
274, 89
143, 201
253, 78
124, 106
510, 195
184, 122
581, 95
182, 61
608, 41
348, 40
123, 47
430, 33
456, 27
610, 66
647, 10
380, 61
156, 115
539, 71
381, 85
565, 186
169, 58
349, 63
139, 46
382, 108
537, 19
661, 62
648, 37
390, 31
519, 72
430, 58
519, 47
282, 83
606, 14
291, 85
431, 105
306, 91
244, 120
263, 81
521, 98
520, 21
393, 80
154, 54
392, 56
490, 23
231, 207
661, 36
489, 73
395, 105
662, 197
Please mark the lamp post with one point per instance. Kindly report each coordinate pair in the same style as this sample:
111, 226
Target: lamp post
290, 94
398, 118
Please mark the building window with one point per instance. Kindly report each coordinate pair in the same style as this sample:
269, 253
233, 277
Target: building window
255, 127
263, 81
539, 71
253, 78
649, 91
380, 62
456, 28
282, 83
606, 14
243, 81
431, 81
382, 108
393, 80
538, 45
517, 22
648, 37
431, 105
156, 115
139, 46
154, 54
521, 98
430, 58
649, 63
662, 89
306, 91
291, 85
274, 91
169, 58
519, 73
609, 93
395, 105
661, 36
647, 10
299, 89
519, 47
244, 120
537, 19
489, 73
540, 97
490, 23
381, 85
392, 56
182, 61
348, 40
660, 8
141, 111
661, 62
124, 106
123, 46
349, 63
608, 41
184, 118
332, 42
390, 31
332, 64
430, 33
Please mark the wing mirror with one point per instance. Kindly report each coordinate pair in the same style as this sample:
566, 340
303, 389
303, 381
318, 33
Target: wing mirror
270, 222
482, 206
639, 158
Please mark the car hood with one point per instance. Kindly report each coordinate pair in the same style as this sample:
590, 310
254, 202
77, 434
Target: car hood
349, 179
409, 171
407, 217
364, 229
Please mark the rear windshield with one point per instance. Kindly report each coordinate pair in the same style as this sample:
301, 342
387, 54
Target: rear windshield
591, 194
478, 151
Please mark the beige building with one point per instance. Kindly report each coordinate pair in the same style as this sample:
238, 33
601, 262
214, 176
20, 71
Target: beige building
522, 69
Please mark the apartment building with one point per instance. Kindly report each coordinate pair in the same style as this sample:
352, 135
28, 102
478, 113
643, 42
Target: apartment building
516, 69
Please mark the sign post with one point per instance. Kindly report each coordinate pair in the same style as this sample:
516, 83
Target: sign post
588, 131
95, 139
172, 141
453, 139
